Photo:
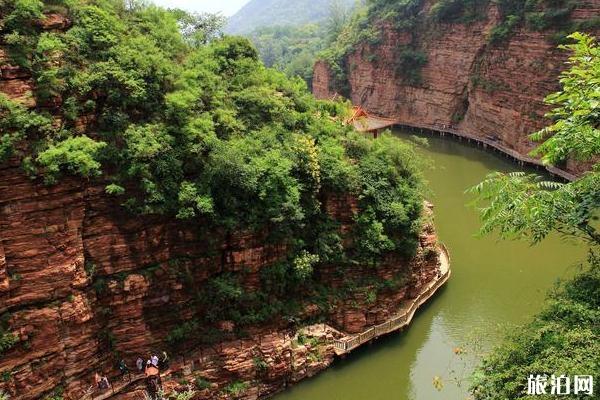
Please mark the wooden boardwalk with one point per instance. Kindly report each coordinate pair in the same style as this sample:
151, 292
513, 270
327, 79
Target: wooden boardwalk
119, 386
522, 159
403, 316
365, 122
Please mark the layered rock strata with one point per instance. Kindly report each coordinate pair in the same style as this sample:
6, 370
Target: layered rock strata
59, 243
494, 91
84, 283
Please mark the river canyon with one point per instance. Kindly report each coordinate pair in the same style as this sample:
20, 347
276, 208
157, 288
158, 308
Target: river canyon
246, 309
495, 285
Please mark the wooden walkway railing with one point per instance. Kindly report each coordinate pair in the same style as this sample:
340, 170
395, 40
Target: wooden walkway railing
494, 144
405, 314
403, 318
365, 122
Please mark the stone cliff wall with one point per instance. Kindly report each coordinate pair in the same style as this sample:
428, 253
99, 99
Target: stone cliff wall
492, 91
58, 242
83, 283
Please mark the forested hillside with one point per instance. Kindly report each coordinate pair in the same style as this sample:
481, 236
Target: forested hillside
267, 13
175, 126
173, 192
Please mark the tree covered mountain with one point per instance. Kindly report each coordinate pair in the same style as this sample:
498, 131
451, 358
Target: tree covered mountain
262, 13
179, 125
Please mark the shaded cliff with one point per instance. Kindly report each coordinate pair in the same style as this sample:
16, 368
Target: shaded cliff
491, 89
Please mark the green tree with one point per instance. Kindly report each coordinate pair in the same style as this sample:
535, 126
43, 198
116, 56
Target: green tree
200, 28
564, 337
520, 205
192, 126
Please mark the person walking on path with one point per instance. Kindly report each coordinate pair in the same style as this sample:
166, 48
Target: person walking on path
139, 363
153, 381
124, 369
164, 361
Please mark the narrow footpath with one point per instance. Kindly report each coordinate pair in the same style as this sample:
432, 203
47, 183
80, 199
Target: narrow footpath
403, 316
344, 345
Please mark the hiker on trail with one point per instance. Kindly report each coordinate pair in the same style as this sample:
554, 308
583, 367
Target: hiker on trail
101, 381
154, 360
164, 361
153, 381
139, 363
104, 383
151, 370
124, 369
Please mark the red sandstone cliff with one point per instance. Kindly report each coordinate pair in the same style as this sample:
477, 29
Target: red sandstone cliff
50, 234
493, 91
84, 284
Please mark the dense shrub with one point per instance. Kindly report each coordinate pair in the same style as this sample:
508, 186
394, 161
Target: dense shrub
410, 63
463, 11
202, 131
564, 338
7, 338
535, 14
195, 127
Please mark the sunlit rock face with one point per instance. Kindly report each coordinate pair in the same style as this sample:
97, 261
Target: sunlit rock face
53, 236
491, 91
85, 283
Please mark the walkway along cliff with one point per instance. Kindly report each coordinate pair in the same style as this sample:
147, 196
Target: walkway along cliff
486, 90
52, 235
85, 283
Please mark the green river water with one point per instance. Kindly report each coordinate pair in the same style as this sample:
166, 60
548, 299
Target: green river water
494, 283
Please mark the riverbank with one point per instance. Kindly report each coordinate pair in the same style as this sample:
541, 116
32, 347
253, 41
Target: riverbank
490, 283
488, 143
374, 124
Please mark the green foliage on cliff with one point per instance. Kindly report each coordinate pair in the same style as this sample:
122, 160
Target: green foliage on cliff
460, 11
564, 338
7, 339
364, 27
411, 17
518, 205
539, 15
410, 63
193, 126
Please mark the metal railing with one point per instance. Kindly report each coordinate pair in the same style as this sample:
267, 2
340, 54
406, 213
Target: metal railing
399, 321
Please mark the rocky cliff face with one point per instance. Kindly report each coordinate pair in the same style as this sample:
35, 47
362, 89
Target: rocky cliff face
491, 91
84, 283
59, 242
